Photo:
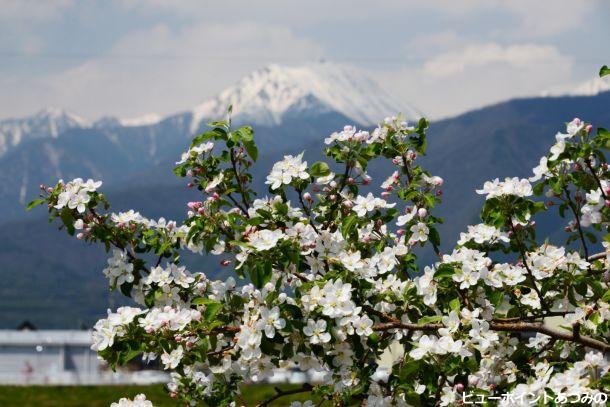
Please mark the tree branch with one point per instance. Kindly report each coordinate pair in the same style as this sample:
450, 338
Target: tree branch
573, 336
281, 393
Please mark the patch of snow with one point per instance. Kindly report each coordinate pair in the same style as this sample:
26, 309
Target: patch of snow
144, 120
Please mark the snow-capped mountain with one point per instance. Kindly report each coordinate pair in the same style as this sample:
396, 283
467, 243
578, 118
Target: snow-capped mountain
268, 95
48, 122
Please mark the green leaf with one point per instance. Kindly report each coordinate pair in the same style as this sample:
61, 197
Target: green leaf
214, 134
261, 274
211, 310
202, 301
430, 319
604, 71
319, 169
348, 225
251, 149
434, 237
34, 203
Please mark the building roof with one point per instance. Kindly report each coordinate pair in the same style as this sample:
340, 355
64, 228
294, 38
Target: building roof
45, 337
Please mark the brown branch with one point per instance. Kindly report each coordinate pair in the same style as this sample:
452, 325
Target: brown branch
599, 184
597, 256
238, 179
577, 218
510, 327
281, 393
527, 267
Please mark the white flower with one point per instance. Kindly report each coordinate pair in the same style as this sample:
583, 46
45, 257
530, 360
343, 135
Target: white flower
482, 233
123, 316
119, 269
214, 182
351, 260
283, 172
451, 323
172, 360
574, 127
270, 321
369, 203
265, 239
407, 217
316, 330
363, 326
138, 401
419, 232
425, 345
541, 170
559, 146
426, 286
531, 299
510, 186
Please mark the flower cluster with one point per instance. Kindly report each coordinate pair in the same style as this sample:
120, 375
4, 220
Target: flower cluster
332, 279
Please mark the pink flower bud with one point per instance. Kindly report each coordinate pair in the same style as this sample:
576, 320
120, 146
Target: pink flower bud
215, 195
533, 223
385, 194
439, 192
225, 263
589, 128
389, 188
348, 204
576, 121
422, 212
201, 211
43, 187
80, 236
577, 167
366, 181
459, 388
394, 161
307, 196
607, 203
50, 190
400, 232
351, 181
567, 229
190, 185
333, 184
379, 223
333, 197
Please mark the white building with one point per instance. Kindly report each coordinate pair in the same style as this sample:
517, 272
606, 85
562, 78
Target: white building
59, 357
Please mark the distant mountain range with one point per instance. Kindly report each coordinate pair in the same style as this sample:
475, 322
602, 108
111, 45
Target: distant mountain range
56, 281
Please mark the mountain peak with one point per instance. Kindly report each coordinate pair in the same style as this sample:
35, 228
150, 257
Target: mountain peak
267, 95
48, 122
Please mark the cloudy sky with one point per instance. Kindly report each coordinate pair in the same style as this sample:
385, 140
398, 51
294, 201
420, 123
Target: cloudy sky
131, 57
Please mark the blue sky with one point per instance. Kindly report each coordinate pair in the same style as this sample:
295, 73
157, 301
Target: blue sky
131, 57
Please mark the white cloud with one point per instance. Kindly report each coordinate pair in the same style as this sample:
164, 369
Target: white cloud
518, 56
28, 10
477, 75
160, 70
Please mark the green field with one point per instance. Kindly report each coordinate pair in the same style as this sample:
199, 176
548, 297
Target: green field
98, 396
